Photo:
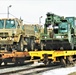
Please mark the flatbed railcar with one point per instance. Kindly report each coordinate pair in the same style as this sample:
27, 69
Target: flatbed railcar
16, 57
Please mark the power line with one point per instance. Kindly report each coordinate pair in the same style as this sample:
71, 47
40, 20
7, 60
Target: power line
20, 17
29, 22
16, 17
3, 13
12, 15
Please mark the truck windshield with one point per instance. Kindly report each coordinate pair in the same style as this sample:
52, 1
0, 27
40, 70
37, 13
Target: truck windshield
63, 27
1, 24
10, 24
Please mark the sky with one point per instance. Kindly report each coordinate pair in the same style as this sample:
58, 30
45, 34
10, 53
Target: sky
31, 10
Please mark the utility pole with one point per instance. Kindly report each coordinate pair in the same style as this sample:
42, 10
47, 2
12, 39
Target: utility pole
40, 20
8, 10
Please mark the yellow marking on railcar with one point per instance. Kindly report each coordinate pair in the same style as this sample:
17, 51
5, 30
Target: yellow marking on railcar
40, 53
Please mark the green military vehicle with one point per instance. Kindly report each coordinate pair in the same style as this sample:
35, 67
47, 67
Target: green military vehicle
62, 36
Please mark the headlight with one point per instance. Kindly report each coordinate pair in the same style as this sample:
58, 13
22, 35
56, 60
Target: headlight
59, 36
9, 38
44, 37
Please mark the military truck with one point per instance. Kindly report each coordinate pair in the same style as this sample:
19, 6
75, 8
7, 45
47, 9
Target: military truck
32, 33
14, 34
11, 34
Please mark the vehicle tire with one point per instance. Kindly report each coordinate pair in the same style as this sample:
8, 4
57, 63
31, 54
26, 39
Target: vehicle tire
20, 45
42, 46
72, 46
32, 45
0, 46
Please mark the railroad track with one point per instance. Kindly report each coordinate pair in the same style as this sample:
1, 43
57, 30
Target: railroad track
28, 70
10, 65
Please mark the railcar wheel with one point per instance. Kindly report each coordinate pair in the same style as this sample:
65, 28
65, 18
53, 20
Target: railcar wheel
48, 62
21, 61
70, 61
45, 61
16, 63
5, 63
0, 63
63, 62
